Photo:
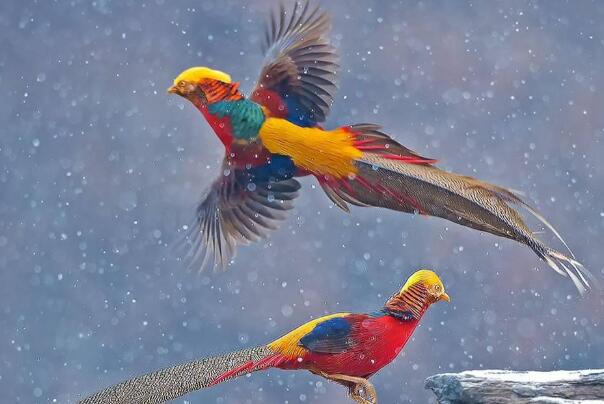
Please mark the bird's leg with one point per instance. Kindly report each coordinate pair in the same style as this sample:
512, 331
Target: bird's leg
359, 389
363, 392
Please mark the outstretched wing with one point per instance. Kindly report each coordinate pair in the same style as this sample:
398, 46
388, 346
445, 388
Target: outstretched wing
236, 210
298, 81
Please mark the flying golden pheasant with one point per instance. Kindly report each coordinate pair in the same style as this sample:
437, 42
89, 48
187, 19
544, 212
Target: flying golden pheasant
274, 136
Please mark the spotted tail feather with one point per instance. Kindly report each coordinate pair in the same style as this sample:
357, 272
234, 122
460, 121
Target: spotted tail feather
565, 265
170, 383
391, 176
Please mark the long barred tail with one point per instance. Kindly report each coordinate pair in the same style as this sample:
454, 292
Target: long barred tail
394, 177
170, 383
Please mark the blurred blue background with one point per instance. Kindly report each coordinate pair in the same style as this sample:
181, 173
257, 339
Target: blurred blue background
99, 168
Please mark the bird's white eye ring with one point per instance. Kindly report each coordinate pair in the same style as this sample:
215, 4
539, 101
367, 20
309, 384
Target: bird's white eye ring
437, 287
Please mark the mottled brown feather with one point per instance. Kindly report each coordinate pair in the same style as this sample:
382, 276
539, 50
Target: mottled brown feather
301, 63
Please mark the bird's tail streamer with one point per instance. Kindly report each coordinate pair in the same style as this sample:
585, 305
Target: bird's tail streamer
170, 383
568, 267
565, 265
391, 176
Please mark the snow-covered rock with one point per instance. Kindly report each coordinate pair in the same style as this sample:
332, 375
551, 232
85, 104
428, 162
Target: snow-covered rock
503, 387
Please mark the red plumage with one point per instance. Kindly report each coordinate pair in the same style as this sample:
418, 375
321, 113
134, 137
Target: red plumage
375, 342
272, 101
345, 348
222, 126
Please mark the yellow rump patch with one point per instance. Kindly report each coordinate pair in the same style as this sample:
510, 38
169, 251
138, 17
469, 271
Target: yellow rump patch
288, 344
196, 74
316, 150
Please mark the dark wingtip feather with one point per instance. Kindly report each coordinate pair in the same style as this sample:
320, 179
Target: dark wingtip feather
301, 63
230, 215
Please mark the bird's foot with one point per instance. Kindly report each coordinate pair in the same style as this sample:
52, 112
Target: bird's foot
363, 392
359, 389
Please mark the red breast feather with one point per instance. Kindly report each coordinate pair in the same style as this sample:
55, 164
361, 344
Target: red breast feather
374, 343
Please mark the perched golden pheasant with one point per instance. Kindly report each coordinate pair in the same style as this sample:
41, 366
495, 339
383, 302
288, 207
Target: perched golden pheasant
274, 136
346, 348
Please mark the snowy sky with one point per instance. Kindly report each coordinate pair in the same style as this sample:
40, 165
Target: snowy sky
99, 168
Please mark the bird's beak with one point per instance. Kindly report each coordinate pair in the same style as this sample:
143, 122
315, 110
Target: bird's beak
173, 90
444, 297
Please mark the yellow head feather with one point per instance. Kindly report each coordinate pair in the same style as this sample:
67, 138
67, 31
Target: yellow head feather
198, 73
424, 276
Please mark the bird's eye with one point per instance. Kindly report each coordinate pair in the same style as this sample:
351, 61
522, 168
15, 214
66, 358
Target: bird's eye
181, 83
437, 288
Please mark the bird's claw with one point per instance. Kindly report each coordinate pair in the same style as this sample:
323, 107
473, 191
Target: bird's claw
363, 392
359, 389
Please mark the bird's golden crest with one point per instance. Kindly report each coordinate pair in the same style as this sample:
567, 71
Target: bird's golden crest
199, 73
425, 277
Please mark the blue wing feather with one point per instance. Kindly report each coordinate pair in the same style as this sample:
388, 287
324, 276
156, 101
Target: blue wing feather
279, 168
330, 336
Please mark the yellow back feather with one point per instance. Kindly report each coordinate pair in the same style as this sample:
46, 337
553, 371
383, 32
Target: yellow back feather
319, 151
198, 73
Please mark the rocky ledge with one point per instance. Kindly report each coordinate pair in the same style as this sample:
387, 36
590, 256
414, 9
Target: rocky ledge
506, 387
